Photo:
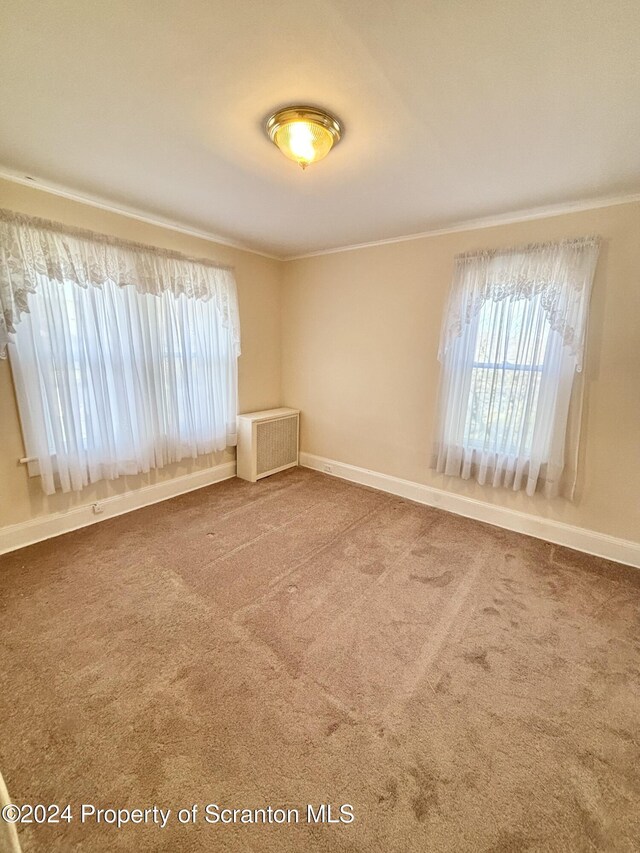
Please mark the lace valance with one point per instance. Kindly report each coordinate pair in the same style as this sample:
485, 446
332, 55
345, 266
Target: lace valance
31, 249
560, 273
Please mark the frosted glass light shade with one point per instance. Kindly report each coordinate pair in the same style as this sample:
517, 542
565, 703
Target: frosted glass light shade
303, 134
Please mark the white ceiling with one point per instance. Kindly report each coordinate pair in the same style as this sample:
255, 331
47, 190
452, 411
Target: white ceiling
453, 109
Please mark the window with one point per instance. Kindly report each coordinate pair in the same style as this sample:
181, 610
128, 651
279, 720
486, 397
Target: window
130, 370
512, 342
505, 375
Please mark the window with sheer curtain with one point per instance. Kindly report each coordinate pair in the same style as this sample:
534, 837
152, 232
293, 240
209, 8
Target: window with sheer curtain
512, 342
124, 358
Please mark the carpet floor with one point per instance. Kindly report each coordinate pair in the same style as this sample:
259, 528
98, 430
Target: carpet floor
305, 641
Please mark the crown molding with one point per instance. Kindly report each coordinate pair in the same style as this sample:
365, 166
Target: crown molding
483, 222
131, 212
464, 225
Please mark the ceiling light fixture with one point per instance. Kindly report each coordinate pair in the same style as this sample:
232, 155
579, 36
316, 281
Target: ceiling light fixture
303, 134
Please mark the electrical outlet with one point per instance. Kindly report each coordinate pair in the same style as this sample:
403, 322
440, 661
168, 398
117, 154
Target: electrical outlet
97, 508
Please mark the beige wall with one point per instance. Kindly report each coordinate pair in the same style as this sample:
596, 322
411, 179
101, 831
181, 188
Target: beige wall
259, 285
359, 358
353, 336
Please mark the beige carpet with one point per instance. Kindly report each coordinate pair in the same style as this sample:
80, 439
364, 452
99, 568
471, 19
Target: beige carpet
306, 641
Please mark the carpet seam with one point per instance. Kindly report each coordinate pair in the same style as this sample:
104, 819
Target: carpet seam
275, 581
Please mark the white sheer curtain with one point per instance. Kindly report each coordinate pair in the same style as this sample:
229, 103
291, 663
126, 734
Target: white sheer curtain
512, 341
124, 360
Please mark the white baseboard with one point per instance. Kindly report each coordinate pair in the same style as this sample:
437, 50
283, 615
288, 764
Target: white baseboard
35, 530
624, 551
579, 538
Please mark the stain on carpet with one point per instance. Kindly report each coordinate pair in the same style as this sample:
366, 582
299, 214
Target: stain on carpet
439, 580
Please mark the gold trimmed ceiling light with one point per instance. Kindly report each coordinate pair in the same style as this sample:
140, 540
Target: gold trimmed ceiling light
304, 134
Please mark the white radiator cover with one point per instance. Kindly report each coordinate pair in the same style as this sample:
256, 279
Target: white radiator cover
267, 442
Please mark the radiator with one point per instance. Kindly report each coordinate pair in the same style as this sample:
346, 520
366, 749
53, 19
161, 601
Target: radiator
267, 442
